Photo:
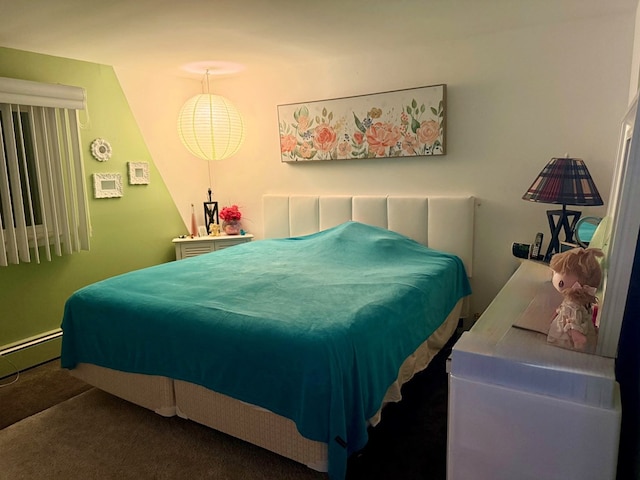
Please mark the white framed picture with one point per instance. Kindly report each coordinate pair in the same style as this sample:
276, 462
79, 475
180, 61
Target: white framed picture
138, 173
107, 185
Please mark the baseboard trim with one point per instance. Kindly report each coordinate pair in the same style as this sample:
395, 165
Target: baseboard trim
30, 352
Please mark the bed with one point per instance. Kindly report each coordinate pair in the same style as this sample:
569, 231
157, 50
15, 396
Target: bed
343, 304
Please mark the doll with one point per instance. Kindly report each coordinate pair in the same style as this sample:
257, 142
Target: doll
576, 275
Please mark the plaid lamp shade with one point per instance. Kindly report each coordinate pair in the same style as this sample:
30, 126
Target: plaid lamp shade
564, 181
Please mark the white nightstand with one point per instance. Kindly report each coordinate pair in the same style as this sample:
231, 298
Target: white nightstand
191, 247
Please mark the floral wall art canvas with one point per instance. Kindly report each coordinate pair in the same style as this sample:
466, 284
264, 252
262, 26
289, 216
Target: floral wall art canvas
401, 123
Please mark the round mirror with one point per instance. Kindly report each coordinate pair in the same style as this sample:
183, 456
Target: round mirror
585, 229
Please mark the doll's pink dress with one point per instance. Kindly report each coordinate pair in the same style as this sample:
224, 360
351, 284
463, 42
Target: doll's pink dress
573, 316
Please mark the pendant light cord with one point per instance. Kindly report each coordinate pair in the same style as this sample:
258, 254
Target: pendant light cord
206, 77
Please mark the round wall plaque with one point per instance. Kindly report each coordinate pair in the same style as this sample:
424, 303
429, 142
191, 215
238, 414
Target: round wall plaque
101, 149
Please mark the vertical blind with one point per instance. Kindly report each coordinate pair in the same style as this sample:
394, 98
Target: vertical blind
43, 197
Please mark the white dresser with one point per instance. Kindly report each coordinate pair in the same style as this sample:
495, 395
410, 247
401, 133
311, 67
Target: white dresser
190, 247
520, 408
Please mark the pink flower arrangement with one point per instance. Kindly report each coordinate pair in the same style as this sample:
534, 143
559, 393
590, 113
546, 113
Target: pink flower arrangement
230, 214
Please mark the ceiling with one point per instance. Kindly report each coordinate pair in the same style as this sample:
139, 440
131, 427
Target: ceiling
164, 35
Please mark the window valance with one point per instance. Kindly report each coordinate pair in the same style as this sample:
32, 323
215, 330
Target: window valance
26, 92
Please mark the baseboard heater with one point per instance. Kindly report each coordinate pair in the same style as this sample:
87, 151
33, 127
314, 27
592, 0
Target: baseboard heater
31, 342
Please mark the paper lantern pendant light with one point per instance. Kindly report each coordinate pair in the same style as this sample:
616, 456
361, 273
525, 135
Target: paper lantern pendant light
210, 127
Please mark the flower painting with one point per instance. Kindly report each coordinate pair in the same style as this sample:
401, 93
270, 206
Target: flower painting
401, 123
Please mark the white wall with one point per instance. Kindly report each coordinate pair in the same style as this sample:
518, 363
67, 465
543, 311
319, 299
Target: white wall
634, 81
515, 99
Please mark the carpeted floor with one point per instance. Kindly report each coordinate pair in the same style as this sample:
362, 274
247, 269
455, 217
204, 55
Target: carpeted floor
35, 390
98, 436
94, 435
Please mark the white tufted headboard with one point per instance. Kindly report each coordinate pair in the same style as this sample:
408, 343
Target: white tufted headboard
443, 223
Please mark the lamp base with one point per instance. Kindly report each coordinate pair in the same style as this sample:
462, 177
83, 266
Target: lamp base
210, 214
566, 219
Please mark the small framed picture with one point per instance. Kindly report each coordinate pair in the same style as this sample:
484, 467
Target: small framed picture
138, 173
107, 185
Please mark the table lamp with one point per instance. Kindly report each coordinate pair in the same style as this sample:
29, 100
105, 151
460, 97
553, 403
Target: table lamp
563, 181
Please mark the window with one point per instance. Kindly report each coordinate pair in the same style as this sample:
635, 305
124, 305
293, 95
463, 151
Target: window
43, 199
21, 135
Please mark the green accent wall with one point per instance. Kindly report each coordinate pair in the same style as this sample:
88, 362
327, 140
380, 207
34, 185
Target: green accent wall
128, 233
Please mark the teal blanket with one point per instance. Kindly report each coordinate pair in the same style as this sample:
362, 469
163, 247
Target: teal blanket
312, 328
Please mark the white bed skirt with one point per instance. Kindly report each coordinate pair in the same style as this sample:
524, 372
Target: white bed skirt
248, 422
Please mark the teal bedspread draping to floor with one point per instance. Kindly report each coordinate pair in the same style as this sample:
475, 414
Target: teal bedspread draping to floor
313, 328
